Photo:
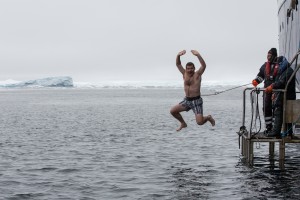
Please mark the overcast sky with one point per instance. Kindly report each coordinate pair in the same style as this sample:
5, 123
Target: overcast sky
110, 40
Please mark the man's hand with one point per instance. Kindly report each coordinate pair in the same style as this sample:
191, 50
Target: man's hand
196, 53
269, 89
181, 53
254, 83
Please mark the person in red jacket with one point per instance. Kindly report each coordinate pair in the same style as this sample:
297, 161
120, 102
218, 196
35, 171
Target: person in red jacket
267, 74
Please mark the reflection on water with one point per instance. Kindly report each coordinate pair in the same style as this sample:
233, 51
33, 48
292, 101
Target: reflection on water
265, 180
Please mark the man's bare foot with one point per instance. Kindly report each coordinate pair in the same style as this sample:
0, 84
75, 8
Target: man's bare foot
211, 120
183, 125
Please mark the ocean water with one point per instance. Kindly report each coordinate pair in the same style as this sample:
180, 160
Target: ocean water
123, 144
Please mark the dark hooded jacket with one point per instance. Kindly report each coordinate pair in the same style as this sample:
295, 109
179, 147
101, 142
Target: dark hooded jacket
280, 83
281, 63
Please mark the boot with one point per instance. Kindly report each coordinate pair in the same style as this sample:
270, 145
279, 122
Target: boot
268, 129
273, 133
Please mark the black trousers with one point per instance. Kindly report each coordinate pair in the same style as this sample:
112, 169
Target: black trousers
267, 109
278, 114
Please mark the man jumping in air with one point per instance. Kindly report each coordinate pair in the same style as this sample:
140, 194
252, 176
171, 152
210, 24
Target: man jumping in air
192, 85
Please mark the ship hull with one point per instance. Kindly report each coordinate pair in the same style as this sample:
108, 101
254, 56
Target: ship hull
289, 31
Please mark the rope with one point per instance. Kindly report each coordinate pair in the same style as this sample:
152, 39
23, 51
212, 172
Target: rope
296, 64
254, 104
290, 35
216, 93
254, 101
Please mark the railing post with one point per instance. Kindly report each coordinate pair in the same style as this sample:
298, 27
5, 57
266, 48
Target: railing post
281, 154
271, 149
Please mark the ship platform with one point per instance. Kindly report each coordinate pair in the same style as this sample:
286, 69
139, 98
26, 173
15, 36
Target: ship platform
247, 146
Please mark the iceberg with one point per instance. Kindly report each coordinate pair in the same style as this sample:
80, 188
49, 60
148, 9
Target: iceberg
62, 81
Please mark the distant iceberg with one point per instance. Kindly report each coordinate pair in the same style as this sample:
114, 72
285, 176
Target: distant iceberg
62, 81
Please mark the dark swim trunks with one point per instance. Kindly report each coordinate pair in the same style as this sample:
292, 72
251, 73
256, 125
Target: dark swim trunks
194, 103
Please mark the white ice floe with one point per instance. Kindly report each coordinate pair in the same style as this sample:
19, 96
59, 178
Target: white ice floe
66, 81
61, 81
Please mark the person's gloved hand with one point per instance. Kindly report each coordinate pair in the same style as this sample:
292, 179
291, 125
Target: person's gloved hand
269, 89
254, 83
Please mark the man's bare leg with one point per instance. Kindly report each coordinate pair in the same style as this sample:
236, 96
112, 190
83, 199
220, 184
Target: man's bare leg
181, 127
175, 111
182, 122
200, 119
211, 120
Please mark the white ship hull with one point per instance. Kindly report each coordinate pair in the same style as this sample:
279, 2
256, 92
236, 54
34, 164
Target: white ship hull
289, 31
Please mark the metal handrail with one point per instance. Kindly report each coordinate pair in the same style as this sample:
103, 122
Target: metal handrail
244, 98
244, 101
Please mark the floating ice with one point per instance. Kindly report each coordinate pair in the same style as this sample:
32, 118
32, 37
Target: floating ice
153, 84
65, 81
62, 81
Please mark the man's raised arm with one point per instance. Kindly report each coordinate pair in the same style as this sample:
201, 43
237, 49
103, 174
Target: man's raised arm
202, 62
178, 62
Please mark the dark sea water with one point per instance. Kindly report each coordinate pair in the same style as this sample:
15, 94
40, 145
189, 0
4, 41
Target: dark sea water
122, 144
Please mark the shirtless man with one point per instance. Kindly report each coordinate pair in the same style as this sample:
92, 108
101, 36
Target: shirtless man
192, 84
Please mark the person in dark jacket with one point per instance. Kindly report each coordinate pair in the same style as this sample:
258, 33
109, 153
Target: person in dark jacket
280, 83
267, 73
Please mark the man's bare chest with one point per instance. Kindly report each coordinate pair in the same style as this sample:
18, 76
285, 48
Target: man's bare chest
189, 81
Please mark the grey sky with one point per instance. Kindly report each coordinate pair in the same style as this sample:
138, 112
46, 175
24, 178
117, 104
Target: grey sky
101, 40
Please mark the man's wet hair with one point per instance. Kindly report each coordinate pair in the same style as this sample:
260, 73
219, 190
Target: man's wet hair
190, 64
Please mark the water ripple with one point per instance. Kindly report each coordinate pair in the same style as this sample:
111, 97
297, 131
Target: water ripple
122, 144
